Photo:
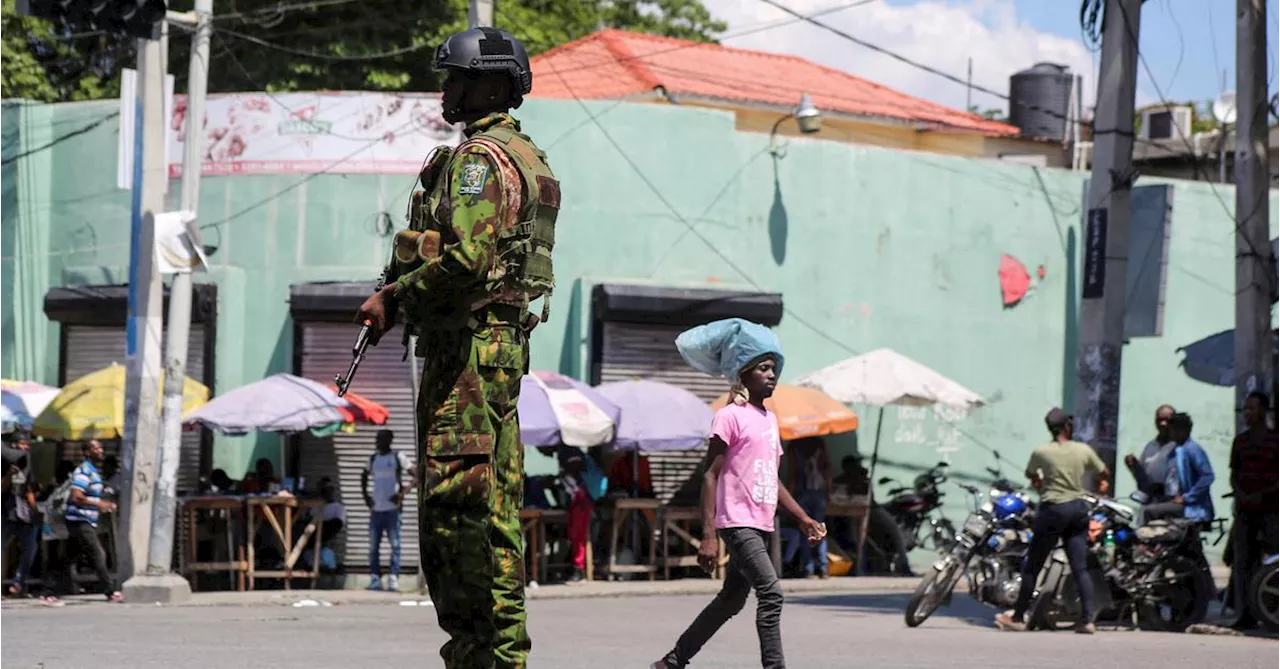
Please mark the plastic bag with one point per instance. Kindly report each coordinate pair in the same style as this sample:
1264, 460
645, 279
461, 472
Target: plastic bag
724, 347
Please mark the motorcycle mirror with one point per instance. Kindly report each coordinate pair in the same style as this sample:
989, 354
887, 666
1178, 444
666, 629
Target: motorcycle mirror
996, 453
884, 479
943, 465
1139, 497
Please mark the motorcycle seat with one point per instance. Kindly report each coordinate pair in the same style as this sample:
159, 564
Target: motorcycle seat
1164, 531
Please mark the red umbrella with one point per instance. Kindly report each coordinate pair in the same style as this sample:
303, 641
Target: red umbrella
362, 409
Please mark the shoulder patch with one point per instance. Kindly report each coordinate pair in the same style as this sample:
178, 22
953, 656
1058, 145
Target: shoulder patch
471, 181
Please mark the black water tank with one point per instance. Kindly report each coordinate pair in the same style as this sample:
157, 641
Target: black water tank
1038, 101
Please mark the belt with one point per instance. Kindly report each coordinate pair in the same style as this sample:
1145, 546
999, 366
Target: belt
504, 314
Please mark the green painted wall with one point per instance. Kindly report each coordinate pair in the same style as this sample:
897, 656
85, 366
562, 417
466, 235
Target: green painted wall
870, 248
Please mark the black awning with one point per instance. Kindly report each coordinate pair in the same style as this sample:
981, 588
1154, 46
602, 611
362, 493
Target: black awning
108, 305
682, 306
328, 300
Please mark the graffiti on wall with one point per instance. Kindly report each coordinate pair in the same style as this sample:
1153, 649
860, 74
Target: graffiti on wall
930, 425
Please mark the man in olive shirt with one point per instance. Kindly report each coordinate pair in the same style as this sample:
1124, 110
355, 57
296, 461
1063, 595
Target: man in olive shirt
1057, 470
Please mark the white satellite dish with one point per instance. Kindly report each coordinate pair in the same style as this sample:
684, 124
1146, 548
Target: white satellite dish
1224, 108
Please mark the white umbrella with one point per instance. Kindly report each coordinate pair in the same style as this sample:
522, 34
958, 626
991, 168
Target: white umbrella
883, 377
279, 403
21, 402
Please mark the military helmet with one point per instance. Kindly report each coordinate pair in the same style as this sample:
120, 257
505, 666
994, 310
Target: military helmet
485, 50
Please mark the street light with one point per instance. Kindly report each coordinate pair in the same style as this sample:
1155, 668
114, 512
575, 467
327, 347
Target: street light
807, 117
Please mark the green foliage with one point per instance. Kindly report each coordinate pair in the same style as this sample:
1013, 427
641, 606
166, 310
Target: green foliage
989, 114
42, 63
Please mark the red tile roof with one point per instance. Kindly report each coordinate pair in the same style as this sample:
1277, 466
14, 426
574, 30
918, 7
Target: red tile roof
618, 63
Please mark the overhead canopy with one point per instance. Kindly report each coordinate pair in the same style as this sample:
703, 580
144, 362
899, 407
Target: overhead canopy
279, 403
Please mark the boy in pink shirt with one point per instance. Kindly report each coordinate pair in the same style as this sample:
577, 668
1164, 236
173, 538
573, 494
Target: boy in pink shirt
740, 492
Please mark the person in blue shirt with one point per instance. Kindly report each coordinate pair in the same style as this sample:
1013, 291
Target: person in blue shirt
1189, 477
84, 511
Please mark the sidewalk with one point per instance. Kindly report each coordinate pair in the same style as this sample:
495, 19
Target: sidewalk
688, 586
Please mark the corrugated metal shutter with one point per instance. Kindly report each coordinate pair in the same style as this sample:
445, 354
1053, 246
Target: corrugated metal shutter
385, 379
632, 351
90, 348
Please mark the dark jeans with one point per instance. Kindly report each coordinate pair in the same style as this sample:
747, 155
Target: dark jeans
1253, 538
380, 523
82, 539
28, 538
1070, 523
750, 567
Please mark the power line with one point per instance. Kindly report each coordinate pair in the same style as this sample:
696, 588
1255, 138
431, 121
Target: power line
74, 133
324, 56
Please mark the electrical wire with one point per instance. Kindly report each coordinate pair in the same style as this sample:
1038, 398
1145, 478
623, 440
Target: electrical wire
400, 51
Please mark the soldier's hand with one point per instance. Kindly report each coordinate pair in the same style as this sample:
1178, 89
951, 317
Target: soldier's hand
378, 311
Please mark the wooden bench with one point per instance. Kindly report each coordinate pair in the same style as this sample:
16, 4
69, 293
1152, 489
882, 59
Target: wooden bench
629, 512
683, 522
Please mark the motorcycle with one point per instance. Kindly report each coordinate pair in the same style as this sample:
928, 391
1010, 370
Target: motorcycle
1263, 592
988, 552
917, 508
1155, 575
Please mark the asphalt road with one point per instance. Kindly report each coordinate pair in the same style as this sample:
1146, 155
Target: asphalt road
819, 630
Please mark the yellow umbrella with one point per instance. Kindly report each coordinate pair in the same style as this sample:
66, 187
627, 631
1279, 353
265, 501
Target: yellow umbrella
92, 406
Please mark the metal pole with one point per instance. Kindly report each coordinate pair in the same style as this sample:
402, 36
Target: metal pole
1106, 247
141, 428
1254, 279
968, 88
160, 558
480, 13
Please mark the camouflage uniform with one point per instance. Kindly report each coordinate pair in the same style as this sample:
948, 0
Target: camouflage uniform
473, 335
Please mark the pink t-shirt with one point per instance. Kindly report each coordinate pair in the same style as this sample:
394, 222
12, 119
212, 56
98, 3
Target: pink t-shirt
747, 491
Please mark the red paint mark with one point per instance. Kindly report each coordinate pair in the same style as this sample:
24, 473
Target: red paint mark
1014, 280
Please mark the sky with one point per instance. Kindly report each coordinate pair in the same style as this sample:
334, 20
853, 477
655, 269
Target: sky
1186, 44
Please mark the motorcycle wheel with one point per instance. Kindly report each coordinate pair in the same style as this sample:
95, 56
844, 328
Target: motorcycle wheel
1263, 593
929, 594
1046, 613
1175, 606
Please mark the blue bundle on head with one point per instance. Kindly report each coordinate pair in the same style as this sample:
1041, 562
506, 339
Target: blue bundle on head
724, 348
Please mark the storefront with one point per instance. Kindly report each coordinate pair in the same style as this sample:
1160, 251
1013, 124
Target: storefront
323, 337
91, 336
633, 334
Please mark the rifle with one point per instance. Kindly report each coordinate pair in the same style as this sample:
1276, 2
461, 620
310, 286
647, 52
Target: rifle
362, 344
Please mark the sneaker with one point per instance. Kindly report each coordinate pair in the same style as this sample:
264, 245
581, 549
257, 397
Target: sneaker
1005, 621
824, 575
115, 597
576, 578
393, 584
375, 583
1086, 628
811, 577
52, 601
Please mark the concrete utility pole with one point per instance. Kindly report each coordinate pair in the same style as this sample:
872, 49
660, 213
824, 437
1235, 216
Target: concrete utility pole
1254, 278
1106, 237
141, 424
159, 584
480, 13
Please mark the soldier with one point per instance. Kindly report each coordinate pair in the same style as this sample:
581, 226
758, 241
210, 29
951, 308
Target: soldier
483, 228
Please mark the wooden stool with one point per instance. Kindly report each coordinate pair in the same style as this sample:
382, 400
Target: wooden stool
679, 521
627, 511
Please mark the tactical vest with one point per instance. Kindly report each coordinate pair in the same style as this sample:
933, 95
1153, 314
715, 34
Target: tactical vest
523, 250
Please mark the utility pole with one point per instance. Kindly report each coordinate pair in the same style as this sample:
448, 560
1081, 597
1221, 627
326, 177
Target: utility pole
480, 13
141, 425
1106, 237
161, 584
1254, 279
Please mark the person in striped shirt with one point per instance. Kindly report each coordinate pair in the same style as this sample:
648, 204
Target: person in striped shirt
84, 511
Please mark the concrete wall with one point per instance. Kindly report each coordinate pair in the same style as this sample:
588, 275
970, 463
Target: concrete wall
870, 247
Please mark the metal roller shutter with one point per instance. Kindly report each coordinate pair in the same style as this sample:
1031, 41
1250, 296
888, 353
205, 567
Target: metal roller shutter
385, 379
90, 348
632, 351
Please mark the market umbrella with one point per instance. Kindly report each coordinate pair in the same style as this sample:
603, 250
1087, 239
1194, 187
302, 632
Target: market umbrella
22, 401
885, 377
92, 406
279, 403
804, 412
555, 409
658, 416
361, 409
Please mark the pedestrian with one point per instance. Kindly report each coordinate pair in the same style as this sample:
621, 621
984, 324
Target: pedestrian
1188, 477
811, 478
385, 502
1150, 467
740, 492
1254, 478
494, 202
83, 512
21, 517
1058, 470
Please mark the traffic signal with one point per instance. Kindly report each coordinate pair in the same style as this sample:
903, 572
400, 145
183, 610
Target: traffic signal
142, 19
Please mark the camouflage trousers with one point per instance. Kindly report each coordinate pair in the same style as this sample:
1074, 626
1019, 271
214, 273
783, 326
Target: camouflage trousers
471, 492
